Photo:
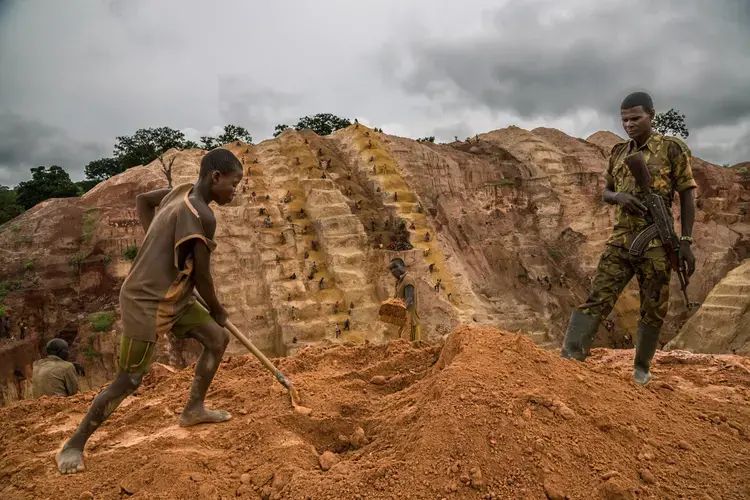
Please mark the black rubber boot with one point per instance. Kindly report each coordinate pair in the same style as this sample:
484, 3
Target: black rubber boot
648, 341
580, 335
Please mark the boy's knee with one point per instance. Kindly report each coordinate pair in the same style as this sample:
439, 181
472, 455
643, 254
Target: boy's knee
218, 340
224, 338
127, 381
135, 379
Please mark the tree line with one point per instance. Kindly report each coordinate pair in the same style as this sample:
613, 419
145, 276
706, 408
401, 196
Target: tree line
148, 144
141, 148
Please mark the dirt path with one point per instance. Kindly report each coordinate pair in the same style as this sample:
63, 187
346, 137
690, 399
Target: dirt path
487, 414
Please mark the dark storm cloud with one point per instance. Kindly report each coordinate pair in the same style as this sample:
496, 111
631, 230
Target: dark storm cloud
541, 59
82, 73
28, 143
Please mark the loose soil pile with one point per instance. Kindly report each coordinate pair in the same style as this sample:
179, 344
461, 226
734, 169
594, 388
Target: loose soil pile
487, 414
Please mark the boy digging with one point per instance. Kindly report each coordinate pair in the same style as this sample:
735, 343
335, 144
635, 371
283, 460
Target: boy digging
156, 297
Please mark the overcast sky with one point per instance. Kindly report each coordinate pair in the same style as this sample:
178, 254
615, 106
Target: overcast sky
76, 74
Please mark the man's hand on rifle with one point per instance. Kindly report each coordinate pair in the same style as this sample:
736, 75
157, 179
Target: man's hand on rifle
687, 257
631, 204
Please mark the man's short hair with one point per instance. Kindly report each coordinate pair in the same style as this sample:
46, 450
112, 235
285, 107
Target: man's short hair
638, 99
397, 260
55, 345
219, 160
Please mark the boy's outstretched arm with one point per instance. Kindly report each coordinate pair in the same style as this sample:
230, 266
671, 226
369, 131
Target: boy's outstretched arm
146, 203
204, 282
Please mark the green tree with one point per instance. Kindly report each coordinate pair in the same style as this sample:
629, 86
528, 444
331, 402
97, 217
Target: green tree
322, 123
146, 145
190, 145
45, 183
234, 133
427, 139
278, 129
671, 123
85, 186
231, 133
208, 143
103, 168
9, 206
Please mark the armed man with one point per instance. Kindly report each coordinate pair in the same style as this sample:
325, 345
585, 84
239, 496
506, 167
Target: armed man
643, 175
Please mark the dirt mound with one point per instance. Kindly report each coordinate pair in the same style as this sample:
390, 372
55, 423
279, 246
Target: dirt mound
487, 414
605, 140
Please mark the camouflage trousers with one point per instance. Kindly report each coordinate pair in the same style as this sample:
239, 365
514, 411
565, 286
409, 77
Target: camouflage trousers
615, 270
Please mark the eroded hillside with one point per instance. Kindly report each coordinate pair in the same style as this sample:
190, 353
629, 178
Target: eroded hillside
515, 218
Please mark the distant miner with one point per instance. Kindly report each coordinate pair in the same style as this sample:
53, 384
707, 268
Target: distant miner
668, 161
55, 375
157, 296
406, 290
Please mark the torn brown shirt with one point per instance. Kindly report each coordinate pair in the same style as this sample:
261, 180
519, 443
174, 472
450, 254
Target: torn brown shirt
158, 290
53, 376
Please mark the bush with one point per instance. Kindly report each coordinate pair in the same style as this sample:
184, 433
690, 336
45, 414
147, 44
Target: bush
554, 254
88, 350
3, 311
6, 287
28, 265
90, 218
102, 321
15, 228
76, 259
130, 252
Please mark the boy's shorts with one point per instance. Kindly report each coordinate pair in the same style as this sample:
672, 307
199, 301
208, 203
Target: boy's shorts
136, 355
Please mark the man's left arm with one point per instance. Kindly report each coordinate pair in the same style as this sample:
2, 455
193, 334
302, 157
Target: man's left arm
409, 297
685, 185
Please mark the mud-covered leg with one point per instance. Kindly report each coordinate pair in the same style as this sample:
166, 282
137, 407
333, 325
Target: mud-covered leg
613, 273
653, 280
214, 340
70, 458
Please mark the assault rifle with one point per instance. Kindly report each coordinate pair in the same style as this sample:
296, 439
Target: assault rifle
662, 225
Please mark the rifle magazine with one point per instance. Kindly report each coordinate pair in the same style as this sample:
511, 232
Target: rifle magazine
642, 240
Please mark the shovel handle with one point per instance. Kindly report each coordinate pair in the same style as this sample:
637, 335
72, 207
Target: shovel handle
249, 345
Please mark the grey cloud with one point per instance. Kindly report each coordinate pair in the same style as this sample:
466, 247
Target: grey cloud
104, 68
447, 133
27, 143
690, 55
730, 152
243, 101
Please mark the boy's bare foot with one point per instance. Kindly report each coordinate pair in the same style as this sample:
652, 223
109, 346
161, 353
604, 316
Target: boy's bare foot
203, 416
69, 461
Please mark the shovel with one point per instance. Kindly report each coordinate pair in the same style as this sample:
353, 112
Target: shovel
264, 360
